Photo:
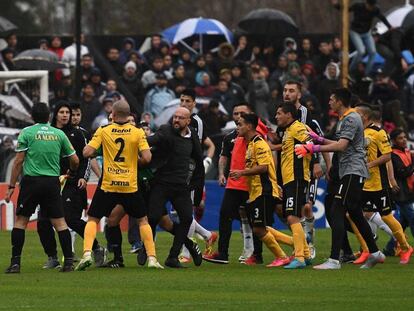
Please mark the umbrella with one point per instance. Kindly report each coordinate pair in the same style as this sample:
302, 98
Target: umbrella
200, 27
37, 59
268, 22
172, 106
13, 108
400, 16
6, 27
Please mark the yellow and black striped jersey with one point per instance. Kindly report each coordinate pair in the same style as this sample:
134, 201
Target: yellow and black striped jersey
259, 153
377, 144
120, 146
294, 168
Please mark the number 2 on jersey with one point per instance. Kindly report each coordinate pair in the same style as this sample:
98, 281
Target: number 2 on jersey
118, 157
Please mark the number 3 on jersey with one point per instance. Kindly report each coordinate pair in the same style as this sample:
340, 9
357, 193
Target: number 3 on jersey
118, 157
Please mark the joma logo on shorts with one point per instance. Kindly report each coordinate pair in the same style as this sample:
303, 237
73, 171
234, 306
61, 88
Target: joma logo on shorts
120, 183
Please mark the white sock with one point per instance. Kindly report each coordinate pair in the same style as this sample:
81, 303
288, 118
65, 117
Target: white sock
73, 237
190, 234
373, 225
199, 229
247, 235
381, 224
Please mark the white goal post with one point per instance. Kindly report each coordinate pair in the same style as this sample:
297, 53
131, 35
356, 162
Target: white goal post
11, 77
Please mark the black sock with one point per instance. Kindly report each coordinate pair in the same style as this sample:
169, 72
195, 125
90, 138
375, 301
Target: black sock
66, 243
47, 237
114, 236
17, 241
258, 246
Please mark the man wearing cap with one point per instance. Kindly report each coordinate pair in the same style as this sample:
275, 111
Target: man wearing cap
132, 81
158, 97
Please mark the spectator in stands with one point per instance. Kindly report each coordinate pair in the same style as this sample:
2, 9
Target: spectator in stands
56, 47
294, 74
278, 75
337, 47
96, 80
168, 64
292, 56
149, 77
133, 83
238, 75
224, 96
201, 66
258, 94
384, 89
188, 64
154, 51
128, 46
179, 82
137, 58
102, 118
214, 120
159, 96
289, 44
235, 89
43, 44
203, 85
306, 52
324, 57
7, 55
269, 57
225, 57
86, 67
243, 52
12, 43
69, 54
113, 58
90, 106
60, 94
325, 87
308, 71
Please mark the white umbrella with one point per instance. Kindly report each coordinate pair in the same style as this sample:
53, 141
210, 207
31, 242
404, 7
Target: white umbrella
397, 17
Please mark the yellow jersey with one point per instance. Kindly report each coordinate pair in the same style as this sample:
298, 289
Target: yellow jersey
259, 153
377, 144
120, 146
294, 168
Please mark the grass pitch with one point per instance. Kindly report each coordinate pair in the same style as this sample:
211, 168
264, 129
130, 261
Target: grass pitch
209, 287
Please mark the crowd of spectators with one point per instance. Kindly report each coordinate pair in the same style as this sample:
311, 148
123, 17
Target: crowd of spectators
242, 72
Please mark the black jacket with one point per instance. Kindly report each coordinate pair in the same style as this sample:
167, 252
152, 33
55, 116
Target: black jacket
401, 173
162, 143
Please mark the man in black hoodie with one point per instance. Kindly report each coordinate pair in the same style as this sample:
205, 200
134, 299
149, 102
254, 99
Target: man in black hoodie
72, 191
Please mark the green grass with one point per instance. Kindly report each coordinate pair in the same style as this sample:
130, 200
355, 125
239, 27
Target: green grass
209, 287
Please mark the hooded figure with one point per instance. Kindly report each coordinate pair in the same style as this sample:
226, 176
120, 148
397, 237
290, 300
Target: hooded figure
128, 46
326, 86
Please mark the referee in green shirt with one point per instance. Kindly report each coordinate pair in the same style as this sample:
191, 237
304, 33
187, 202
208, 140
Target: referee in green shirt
39, 150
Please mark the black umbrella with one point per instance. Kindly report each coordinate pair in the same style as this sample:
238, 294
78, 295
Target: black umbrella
268, 22
6, 27
37, 59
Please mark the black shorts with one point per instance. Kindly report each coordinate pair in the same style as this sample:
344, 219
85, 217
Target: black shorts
294, 197
233, 201
349, 190
104, 202
260, 211
43, 191
73, 201
312, 190
377, 201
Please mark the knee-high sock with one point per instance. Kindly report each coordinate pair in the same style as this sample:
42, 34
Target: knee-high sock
65, 244
379, 223
146, 236
306, 250
247, 234
191, 231
272, 245
358, 235
298, 241
397, 231
17, 241
114, 235
202, 231
73, 239
280, 236
89, 235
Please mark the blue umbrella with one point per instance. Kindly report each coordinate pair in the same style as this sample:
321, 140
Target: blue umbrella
196, 26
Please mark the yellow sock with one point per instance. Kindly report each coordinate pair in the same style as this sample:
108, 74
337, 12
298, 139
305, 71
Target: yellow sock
146, 236
89, 236
397, 230
272, 244
306, 250
298, 241
280, 236
358, 235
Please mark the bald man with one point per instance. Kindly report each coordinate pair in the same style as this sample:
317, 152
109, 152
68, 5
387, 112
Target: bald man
178, 158
117, 193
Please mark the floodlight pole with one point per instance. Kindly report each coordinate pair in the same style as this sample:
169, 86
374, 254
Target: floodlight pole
345, 42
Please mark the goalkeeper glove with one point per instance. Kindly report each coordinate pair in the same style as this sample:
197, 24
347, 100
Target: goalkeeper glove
303, 150
316, 138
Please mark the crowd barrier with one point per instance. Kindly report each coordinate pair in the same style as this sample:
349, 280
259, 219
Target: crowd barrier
214, 195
